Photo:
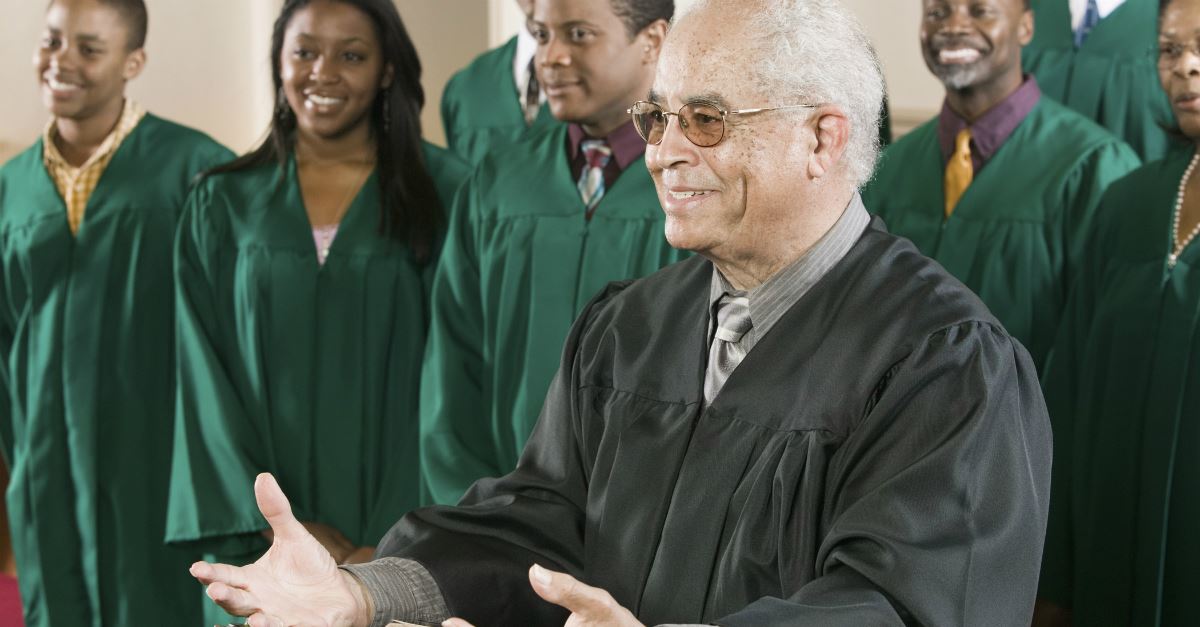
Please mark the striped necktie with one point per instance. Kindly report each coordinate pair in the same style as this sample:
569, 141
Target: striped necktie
591, 180
726, 351
1091, 17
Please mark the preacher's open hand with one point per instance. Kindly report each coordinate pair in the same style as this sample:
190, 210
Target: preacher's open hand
590, 607
296, 583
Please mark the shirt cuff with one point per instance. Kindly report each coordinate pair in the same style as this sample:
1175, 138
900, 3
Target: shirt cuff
401, 589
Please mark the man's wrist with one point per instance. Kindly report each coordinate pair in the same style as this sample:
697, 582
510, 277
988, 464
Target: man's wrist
364, 608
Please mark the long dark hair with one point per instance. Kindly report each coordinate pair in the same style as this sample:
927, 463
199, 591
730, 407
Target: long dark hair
411, 211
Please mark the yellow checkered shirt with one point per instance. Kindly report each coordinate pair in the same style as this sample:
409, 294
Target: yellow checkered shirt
76, 185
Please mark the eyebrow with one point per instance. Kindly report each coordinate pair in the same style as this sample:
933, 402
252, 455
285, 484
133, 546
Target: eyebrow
347, 40
88, 37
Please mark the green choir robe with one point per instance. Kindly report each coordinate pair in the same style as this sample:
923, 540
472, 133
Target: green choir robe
86, 330
1112, 78
519, 264
309, 372
481, 110
1016, 234
1123, 387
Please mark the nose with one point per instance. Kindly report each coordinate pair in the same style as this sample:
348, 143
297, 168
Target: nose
324, 70
674, 150
957, 22
553, 52
1188, 63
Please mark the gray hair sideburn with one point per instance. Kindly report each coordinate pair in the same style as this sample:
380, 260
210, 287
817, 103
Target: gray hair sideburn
815, 51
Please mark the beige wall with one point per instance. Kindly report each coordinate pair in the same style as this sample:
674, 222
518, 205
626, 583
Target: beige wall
208, 60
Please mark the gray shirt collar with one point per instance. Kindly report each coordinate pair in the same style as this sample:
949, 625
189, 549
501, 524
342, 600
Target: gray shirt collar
785, 288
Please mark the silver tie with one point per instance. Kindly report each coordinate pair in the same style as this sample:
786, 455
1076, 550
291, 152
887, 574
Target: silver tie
726, 351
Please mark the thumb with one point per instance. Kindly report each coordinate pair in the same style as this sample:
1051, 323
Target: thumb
564, 590
276, 509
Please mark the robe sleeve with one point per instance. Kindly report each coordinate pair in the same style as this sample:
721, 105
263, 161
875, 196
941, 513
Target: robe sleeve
535, 514
936, 503
7, 434
218, 449
456, 434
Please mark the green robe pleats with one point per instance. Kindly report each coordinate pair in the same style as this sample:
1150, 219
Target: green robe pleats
520, 263
1016, 234
481, 112
1124, 396
1112, 79
309, 372
86, 331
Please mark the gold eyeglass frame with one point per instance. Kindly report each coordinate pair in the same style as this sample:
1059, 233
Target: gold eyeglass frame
725, 113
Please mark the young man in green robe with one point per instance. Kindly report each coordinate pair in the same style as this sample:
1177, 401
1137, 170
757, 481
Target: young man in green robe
87, 219
496, 100
536, 231
1001, 187
1094, 56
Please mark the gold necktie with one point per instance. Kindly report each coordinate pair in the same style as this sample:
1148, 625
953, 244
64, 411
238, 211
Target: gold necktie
959, 171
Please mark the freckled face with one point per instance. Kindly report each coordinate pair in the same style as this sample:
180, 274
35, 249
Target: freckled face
721, 200
332, 68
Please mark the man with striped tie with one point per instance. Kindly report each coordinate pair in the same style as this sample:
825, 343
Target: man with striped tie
496, 100
537, 230
1001, 186
1095, 57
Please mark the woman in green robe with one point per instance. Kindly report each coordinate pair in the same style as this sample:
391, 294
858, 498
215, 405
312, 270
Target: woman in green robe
1123, 388
300, 356
1110, 78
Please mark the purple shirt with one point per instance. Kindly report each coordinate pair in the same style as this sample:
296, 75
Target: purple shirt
626, 147
993, 128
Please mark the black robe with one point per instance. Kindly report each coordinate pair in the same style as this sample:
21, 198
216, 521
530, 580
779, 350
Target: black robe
882, 456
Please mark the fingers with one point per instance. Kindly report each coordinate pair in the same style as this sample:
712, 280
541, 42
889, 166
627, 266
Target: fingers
276, 509
456, 622
223, 573
592, 604
233, 600
262, 620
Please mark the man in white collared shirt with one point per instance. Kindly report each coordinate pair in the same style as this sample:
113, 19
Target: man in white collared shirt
1093, 56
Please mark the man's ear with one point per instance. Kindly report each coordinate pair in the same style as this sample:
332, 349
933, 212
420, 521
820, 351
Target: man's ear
135, 62
389, 75
651, 39
1025, 28
832, 133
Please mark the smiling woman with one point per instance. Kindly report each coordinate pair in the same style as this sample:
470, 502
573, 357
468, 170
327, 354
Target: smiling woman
301, 302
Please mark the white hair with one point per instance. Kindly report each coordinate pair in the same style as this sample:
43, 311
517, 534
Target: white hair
813, 51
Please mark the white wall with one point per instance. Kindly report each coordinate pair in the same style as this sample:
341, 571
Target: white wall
208, 63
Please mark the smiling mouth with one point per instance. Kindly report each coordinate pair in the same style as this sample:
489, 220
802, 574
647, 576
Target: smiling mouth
958, 56
61, 86
686, 195
324, 101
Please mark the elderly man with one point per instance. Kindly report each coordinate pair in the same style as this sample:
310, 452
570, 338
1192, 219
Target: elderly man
809, 423
1000, 187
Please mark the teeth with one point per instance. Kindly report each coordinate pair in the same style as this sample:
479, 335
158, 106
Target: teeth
323, 101
683, 195
961, 55
59, 86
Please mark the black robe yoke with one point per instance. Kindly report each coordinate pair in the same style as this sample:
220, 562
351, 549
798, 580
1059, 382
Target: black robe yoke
882, 456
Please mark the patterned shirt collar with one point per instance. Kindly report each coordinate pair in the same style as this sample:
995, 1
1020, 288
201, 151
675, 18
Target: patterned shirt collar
131, 114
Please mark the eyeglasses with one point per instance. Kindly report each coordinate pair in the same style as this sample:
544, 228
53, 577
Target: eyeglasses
703, 124
1169, 53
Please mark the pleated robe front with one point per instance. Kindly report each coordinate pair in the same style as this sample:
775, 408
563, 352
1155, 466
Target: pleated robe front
1123, 386
307, 371
87, 338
